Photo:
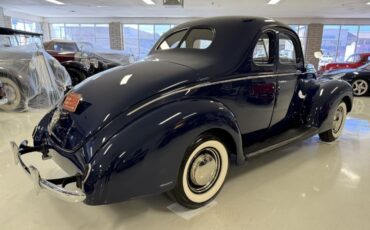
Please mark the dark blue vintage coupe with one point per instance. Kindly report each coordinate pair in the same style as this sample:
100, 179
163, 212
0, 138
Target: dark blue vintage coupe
209, 91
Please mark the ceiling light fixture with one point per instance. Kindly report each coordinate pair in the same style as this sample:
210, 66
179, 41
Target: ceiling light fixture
368, 3
55, 2
273, 2
149, 2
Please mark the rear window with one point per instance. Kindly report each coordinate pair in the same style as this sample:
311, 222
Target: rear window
196, 39
172, 41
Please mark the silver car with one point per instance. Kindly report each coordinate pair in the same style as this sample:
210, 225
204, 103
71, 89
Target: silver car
30, 76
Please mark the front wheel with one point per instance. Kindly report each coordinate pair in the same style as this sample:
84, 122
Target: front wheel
339, 120
202, 173
360, 87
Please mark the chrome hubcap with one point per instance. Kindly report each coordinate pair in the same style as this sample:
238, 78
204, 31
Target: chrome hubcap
359, 87
338, 120
204, 170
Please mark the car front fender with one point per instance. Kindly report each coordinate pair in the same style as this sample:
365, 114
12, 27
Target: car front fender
323, 97
145, 157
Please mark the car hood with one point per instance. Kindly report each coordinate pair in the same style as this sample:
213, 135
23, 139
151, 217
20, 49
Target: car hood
20, 53
113, 92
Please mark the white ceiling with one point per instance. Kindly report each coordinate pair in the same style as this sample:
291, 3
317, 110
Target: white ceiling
193, 8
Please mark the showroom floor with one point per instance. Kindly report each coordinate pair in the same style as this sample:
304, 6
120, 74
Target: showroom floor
309, 185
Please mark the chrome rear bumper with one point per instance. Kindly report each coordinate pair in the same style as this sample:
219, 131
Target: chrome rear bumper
54, 186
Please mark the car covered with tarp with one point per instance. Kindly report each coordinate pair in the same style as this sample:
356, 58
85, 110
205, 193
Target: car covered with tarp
31, 78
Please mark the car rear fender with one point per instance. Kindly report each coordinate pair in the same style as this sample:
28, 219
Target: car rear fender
145, 157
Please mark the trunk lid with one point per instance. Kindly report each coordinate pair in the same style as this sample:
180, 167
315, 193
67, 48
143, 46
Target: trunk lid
112, 92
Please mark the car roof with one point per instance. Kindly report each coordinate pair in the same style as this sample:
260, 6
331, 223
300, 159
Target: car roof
234, 37
9, 31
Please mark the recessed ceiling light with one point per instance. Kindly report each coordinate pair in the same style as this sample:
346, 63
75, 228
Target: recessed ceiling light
368, 3
149, 2
55, 2
273, 2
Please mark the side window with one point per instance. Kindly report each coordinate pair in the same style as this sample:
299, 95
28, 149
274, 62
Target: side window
263, 52
287, 53
172, 41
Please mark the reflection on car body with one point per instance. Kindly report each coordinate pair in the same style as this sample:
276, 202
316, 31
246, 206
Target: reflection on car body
175, 119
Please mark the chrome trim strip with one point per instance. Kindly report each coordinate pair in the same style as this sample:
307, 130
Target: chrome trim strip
201, 85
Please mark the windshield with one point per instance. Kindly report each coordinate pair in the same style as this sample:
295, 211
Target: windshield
66, 46
19, 40
353, 58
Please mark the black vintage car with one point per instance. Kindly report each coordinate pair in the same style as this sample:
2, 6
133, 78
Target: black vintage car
210, 90
359, 78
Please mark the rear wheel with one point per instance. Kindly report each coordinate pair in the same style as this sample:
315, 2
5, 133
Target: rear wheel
202, 173
76, 75
338, 124
360, 87
13, 94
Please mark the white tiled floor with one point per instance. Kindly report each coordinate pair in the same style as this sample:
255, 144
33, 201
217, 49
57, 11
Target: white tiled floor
310, 185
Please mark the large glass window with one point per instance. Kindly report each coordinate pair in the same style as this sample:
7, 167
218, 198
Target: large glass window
26, 25
301, 30
363, 43
139, 38
341, 42
88, 35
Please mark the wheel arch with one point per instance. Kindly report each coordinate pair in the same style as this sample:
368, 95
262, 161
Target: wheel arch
157, 145
348, 101
226, 138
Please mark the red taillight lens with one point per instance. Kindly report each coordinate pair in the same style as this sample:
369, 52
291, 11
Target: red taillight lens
72, 101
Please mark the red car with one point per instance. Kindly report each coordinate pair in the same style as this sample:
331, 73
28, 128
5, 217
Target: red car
354, 61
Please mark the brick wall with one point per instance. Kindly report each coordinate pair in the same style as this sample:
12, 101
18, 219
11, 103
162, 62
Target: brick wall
115, 36
314, 38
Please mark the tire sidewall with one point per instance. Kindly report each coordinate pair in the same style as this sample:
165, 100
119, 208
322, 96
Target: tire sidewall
15, 86
76, 74
183, 193
344, 106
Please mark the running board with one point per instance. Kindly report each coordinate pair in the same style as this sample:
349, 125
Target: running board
278, 141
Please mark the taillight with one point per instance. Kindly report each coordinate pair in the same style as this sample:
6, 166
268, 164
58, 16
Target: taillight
72, 101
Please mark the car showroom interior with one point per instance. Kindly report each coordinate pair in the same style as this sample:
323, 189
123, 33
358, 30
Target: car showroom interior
185, 114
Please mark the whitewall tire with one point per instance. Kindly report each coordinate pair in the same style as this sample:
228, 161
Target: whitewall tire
202, 173
339, 120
